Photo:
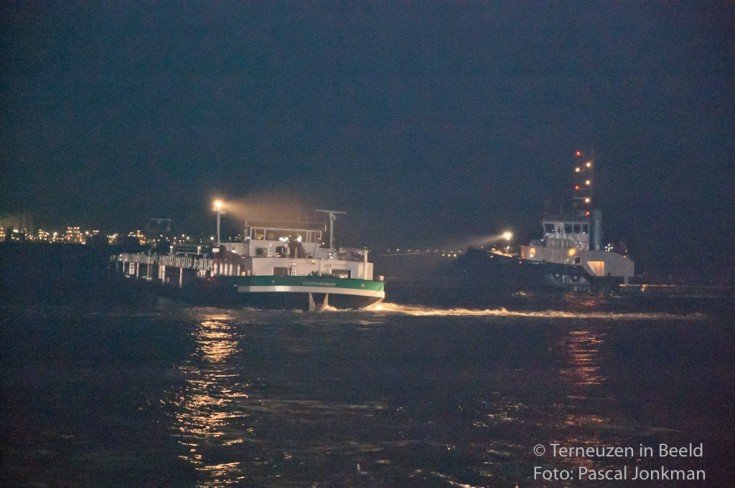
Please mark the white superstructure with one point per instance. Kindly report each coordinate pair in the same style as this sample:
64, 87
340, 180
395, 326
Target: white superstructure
571, 242
272, 248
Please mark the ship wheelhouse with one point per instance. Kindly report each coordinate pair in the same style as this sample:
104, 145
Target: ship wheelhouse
570, 233
565, 239
264, 238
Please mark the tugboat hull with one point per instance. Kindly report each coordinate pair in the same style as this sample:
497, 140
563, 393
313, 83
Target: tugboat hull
518, 273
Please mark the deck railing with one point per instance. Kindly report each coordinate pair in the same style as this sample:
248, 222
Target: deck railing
186, 262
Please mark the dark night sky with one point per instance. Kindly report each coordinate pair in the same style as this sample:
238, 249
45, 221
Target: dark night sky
427, 123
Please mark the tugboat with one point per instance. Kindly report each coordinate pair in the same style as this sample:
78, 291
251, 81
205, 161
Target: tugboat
570, 253
278, 265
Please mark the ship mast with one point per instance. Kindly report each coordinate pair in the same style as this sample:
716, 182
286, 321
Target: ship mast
583, 183
332, 217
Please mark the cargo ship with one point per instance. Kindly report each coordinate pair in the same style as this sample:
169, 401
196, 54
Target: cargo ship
569, 254
277, 265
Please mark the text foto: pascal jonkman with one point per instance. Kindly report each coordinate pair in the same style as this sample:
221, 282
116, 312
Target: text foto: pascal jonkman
583, 473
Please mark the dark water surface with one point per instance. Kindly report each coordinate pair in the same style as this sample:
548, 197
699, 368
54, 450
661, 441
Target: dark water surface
152, 392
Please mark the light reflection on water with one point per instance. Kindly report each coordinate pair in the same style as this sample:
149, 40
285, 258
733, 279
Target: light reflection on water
232, 432
583, 358
582, 352
207, 413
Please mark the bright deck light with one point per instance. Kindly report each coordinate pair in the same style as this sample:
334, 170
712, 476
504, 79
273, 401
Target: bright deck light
507, 235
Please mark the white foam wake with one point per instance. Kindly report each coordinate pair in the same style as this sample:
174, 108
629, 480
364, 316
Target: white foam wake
424, 311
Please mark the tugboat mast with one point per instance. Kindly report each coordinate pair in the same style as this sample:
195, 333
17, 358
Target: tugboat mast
583, 183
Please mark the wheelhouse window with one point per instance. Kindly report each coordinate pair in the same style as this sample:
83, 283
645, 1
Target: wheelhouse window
567, 228
549, 228
577, 228
585, 228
